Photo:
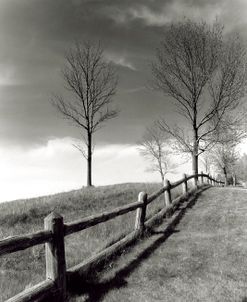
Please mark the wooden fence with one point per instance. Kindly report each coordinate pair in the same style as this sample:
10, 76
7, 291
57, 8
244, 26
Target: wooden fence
55, 230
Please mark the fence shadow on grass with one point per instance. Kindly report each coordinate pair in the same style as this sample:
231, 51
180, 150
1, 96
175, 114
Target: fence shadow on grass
95, 290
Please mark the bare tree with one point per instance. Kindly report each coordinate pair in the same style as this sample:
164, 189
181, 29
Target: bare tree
227, 137
204, 74
241, 168
154, 146
92, 83
224, 159
207, 162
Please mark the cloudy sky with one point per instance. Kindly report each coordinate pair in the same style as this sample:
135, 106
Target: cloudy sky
36, 156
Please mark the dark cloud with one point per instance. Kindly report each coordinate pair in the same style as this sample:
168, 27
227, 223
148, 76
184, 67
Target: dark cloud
34, 35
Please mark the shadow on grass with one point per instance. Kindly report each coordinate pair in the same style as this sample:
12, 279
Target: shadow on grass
96, 289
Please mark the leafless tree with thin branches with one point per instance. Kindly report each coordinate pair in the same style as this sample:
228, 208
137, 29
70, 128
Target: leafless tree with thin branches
206, 161
92, 83
241, 168
154, 147
205, 75
228, 136
224, 158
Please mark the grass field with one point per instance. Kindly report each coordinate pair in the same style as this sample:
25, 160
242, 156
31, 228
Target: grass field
203, 260
26, 268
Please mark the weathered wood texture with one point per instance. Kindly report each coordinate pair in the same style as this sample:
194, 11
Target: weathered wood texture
55, 255
18, 243
201, 175
176, 184
168, 196
185, 184
141, 212
99, 218
153, 196
40, 292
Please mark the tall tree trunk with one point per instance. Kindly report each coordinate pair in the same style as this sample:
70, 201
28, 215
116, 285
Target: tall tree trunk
162, 176
89, 159
194, 163
225, 175
195, 153
160, 167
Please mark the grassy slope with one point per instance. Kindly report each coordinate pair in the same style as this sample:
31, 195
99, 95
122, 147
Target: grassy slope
26, 268
204, 260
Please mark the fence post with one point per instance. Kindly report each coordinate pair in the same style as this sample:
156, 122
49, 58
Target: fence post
55, 254
208, 178
168, 198
185, 185
202, 177
195, 178
141, 212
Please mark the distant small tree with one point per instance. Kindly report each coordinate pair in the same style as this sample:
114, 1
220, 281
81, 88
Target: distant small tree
154, 147
241, 168
204, 74
224, 158
206, 160
92, 83
224, 155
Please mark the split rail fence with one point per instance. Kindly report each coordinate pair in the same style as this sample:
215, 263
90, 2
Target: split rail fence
55, 285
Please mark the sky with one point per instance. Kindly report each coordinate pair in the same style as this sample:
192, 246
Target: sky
36, 152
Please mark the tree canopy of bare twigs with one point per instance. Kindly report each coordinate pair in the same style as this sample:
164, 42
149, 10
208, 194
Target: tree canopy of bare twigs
223, 154
241, 168
206, 161
154, 147
204, 74
92, 83
224, 158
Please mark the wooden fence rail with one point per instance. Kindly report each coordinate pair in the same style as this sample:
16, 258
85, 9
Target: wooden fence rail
55, 230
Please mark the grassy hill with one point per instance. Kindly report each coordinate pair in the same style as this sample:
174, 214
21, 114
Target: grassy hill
27, 268
203, 260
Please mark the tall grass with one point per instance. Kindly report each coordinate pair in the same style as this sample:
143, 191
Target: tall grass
26, 268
